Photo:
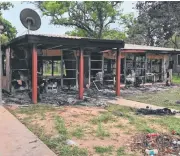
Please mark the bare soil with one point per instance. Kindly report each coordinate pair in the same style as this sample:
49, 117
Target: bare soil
82, 116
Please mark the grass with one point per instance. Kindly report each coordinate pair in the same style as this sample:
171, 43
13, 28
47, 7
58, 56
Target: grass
165, 98
56, 144
78, 132
71, 151
60, 126
176, 79
172, 123
129, 113
106, 117
101, 132
34, 109
132, 124
121, 151
103, 150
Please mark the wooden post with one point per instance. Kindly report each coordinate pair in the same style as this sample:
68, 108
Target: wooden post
34, 75
81, 75
118, 72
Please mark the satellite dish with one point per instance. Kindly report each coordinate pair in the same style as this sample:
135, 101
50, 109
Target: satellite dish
30, 19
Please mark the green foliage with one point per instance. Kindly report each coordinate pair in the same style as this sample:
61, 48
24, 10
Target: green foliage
89, 18
60, 125
176, 79
157, 22
71, 151
9, 32
164, 98
103, 118
35, 109
5, 6
77, 32
121, 151
78, 132
172, 123
101, 132
135, 33
114, 34
103, 150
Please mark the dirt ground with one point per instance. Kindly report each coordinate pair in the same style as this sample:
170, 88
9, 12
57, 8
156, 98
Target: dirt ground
101, 131
82, 117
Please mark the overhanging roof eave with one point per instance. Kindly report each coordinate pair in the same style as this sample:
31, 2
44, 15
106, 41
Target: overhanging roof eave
83, 42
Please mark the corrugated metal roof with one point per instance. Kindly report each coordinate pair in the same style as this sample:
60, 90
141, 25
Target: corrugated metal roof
143, 47
58, 36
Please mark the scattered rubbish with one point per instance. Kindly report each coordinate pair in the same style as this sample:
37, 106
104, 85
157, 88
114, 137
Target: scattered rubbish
156, 144
71, 143
149, 111
151, 152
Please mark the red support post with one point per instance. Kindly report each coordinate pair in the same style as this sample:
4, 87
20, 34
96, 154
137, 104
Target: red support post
118, 72
34, 75
81, 75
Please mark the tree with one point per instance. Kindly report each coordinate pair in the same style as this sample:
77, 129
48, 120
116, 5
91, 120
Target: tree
112, 34
9, 32
157, 21
133, 30
89, 18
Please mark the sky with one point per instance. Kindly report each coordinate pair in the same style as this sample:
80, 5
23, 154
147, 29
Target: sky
13, 14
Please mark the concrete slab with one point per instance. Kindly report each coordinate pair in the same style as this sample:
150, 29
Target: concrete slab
17, 140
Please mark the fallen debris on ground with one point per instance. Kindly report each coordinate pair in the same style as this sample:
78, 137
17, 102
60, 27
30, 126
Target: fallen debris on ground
156, 144
63, 97
92, 97
149, 111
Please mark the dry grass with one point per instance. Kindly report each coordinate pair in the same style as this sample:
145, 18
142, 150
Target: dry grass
94, 131
164, 98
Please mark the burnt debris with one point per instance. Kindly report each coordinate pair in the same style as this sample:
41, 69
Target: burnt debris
149, 111
62, 97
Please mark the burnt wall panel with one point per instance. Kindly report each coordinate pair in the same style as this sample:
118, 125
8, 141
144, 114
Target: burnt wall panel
7, 79
70, 63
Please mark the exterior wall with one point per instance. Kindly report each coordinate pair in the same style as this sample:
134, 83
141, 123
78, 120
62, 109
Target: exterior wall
7, 79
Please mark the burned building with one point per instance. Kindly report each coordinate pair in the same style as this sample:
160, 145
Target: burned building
47, 62
145, 64
44, 63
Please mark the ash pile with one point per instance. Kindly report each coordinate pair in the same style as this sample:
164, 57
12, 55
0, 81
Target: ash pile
156, 144
61, 97
19, 97
148, 89
70, 97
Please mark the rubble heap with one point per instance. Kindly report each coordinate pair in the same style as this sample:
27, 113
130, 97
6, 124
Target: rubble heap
156, 144
149, 89
63, 97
